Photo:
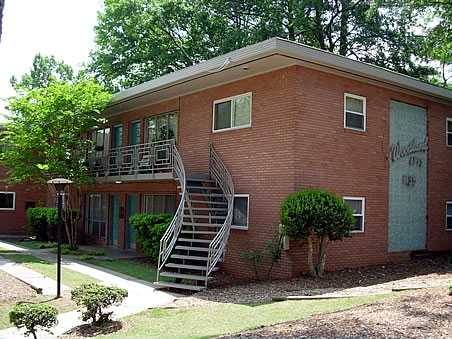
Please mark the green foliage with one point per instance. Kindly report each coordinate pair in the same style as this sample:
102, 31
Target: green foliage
138, 40
68, 249
41, 222
450, 290
150, 229
33, 317
318, 217
274, 250
316, 212
254, 257
95, 298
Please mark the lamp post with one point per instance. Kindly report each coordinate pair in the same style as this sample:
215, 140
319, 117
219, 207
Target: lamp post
60, 185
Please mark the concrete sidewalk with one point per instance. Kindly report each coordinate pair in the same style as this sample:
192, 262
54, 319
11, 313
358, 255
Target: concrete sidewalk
142, 295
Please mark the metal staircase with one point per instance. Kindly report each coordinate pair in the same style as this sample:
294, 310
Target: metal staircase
195, 243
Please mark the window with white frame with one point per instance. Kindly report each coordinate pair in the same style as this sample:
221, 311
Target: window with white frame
233, 112
358, 207
354, 112
7, 200
449, 131
241, 211
449, 215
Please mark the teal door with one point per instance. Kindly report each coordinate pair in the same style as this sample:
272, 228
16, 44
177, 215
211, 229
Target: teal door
134, 135
117, 136
407, 229
132, 208
114, 219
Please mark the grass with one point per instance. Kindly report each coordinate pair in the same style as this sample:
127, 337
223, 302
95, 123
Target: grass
218, 319
68, 250
69, 277
63, 305
34, 244
132, 268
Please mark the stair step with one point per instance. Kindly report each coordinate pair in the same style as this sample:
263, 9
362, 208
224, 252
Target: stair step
213, 195
200, 216
208, 202
203, 188
183, 276
188, 267
188, 257
198, 232
201, 224
209, 209
167, 284
192, 248
200, 180
201, 241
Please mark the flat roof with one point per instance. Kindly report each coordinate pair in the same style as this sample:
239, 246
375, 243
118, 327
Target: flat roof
183, 81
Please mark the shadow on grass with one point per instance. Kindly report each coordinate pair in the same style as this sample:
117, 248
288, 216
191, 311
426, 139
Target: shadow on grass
89, 330
27, 259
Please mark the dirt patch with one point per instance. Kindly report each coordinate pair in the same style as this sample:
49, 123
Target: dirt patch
422, 314
14, 290
88, 330
425, 272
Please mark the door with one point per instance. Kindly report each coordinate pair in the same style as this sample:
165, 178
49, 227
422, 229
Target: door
132, 209
114, 219
135, 131
407, 228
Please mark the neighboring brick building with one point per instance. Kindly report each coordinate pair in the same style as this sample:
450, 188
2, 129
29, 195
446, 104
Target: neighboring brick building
14, 201
282, 117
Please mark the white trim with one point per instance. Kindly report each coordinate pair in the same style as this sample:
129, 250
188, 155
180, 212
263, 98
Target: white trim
244, 228
447, 131
219, 101
448, 215
14, 201
363, 113
363, 214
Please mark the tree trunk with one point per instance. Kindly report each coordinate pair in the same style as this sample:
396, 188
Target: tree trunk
319, 32
322, 255
344, 28
290, 20
312, 270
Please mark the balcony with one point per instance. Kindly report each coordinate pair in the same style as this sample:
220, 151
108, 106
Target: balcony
150, 161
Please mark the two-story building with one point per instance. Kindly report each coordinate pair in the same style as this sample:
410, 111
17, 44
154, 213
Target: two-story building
222, 143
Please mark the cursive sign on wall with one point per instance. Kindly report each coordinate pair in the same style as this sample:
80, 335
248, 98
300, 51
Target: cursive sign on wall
397, 151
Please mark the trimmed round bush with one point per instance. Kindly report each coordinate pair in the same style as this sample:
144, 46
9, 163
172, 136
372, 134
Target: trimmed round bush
95, 298
33, 317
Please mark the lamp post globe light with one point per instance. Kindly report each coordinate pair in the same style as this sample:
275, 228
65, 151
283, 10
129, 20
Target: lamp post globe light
60, 185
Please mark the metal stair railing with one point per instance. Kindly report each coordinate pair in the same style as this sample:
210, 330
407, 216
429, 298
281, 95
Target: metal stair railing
170, 237
219, 172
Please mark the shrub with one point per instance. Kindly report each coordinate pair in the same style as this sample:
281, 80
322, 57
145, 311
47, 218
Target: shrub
42, 222
95, 298
150, 229
254, 257
33, 317
450, 290
316, 216
274, 250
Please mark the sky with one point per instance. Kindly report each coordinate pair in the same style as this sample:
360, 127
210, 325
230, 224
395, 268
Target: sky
63, 28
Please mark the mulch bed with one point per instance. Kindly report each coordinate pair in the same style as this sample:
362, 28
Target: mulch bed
88, 330
423, 271
421, 314
12, 290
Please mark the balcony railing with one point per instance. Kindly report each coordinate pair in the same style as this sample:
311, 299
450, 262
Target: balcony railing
154, 159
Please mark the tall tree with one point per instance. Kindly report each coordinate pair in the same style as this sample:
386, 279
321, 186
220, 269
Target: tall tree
138, 40
43, 136
45, 69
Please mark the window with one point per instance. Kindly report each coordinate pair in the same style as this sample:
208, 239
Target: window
241, 208
449, 131
354, 112
357, 205
449, 215
135, 133
96, 214
117, 136
159, 203
234, 112
161, 127
7, 201
101, 140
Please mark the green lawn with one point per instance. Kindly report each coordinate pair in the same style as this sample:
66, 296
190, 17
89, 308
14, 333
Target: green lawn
69, 277
135, 269
34, 244
63, 305
218, 319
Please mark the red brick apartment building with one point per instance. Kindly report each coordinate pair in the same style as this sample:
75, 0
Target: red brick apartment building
220, 144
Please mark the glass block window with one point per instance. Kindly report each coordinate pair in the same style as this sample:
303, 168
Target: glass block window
354, 112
